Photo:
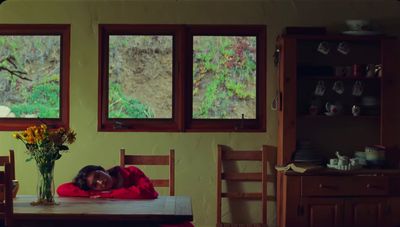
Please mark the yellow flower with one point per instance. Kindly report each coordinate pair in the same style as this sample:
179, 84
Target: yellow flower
43, 127
45, 144
17, 136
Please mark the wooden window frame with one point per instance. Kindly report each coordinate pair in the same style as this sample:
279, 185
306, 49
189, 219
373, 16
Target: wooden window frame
229, 125
8, 124
182, 80
132, 125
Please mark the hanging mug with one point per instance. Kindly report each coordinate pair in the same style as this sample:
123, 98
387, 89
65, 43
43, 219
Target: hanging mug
320, 88
358, 88
324, 48
343, 48
338, 87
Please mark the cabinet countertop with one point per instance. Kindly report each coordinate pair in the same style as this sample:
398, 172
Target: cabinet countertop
357, 172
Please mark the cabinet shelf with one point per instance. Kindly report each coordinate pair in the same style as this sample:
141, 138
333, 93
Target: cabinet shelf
308, 116
337, 78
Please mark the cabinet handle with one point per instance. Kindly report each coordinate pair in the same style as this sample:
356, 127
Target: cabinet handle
371, 186
327, 186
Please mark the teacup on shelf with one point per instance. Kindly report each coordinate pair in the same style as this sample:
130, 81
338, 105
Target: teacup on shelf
332, 109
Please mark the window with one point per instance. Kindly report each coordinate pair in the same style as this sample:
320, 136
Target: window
227, 88
138, 78
182, 78
34, 75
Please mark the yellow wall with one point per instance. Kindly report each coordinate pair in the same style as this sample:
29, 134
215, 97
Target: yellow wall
195, 152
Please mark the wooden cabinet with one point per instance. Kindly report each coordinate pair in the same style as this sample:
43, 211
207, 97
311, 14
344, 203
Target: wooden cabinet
365, 212
361, 118
394, 210
321, 212
362, 212
342, 200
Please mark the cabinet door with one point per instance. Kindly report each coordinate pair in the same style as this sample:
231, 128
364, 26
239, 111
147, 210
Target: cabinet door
323, 212
393, 218
365, 212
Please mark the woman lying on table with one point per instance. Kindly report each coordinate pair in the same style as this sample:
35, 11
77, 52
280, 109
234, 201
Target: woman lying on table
118, 182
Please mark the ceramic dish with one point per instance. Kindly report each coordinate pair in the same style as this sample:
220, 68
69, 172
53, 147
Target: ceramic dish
358, 24
345, 168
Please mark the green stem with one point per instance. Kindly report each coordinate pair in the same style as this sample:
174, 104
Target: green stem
46, 182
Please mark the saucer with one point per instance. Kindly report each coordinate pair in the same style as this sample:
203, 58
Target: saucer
344, 167
361, 32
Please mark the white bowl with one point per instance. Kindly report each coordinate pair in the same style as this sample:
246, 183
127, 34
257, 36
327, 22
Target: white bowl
358, 25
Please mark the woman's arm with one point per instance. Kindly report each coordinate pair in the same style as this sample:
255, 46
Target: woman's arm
70, 190
132, 192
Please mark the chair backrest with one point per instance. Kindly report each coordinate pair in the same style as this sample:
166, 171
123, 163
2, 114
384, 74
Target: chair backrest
6, 203
9, 159
167, 160
264, 156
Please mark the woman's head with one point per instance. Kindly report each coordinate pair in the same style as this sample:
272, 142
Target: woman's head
93, 177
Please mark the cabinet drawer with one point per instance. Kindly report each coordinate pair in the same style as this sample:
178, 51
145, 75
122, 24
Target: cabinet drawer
344, 185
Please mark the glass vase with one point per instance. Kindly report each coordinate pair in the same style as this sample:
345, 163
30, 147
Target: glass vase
45, 184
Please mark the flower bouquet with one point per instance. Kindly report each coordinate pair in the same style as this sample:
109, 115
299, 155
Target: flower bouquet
45, 147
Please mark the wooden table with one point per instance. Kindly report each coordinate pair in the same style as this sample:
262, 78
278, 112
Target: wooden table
164, 209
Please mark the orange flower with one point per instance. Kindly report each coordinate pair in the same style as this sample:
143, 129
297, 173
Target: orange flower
39, 139
71, 136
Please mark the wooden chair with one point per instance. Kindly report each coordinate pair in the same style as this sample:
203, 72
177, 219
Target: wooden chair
267, 154
167, 160
6, 203
9, 159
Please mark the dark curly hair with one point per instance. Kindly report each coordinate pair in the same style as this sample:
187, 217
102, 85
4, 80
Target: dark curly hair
80, 179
